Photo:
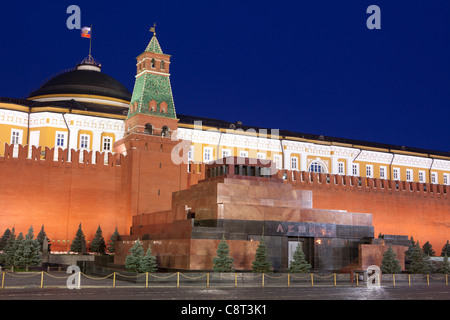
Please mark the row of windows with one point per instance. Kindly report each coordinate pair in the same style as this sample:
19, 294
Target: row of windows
61, 140
318, 167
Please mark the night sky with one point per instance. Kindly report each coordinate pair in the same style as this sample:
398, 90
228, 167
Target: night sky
306, 66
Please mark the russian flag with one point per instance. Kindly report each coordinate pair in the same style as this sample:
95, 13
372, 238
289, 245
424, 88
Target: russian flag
85, 32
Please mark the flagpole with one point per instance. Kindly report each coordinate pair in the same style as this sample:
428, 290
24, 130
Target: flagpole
90, 43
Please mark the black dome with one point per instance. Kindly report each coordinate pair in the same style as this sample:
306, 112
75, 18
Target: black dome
89, 82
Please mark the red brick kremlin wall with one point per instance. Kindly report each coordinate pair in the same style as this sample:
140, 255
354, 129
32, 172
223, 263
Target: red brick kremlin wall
399, 208
60, 195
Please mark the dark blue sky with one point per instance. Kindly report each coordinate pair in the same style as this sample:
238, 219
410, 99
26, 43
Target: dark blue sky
305, 66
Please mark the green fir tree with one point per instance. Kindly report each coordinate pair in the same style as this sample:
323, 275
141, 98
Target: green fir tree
9, 249
79, 242
148, 262
445, 249
261, 263
445, 266
112, 244
98, 244
299, 263
223, 262
133, 260
28, 251
4, 239
410, 250
390, 264
428, 249
420, 262
41, 237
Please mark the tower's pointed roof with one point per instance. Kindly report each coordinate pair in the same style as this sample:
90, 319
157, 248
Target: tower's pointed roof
154, 46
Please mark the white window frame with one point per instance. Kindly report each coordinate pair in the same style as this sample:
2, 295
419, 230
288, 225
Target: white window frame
261, 155
278, 159
226, 153
409, 175
434, 178
422, 176
446, 179
294, 163
355, 169
58, 136
369, 170
87, 141
243, 154
207, 154
383, 172
110, 142
16, 136
341, 167
396, 174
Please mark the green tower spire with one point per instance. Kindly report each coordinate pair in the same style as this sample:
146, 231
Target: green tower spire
152, 93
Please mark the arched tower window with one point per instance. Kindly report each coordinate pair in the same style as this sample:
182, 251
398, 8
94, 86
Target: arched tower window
165, 132
148, 128
153, 63
162, 65
316, 166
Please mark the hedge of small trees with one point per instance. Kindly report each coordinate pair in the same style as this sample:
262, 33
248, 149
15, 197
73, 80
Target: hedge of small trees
25, 251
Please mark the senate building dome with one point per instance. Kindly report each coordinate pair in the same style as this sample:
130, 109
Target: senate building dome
85, 83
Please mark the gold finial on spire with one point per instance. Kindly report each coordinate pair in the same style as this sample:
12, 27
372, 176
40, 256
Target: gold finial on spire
152, 29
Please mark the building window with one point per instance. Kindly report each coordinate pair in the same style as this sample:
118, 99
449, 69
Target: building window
341, 167
148, 129
207, 154
261, 155
294, 163
409, 175
153, 63
422, 176
60, 140
107, 143
355, 169
165, 132
316, 167
162, 64
369, 171
277, 159
383, 172
226, 153
16, 136
434, 178
446, 179
243, 154
396, 175
84, 141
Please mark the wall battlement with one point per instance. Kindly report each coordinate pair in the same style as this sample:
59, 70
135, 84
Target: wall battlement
363, 184
22, 154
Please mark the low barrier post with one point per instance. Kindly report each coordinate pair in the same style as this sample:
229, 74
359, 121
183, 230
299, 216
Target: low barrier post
289, 280
146, 279
263, 280
312, 280
207, 280
42, 279
114, 279
428, 279
409, 280
178, 279
3, 279
393, 279
334, 279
